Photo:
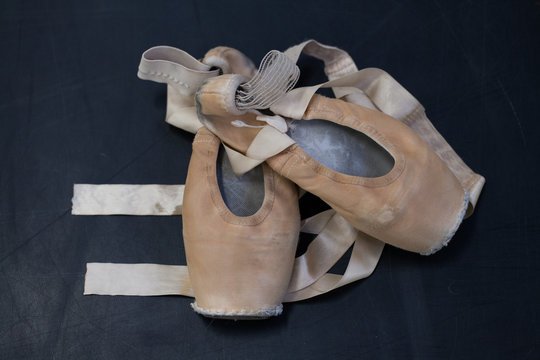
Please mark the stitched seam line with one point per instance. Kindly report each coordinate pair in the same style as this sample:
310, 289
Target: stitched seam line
226, 214
296, 159
261, 312
370, 132
166, 76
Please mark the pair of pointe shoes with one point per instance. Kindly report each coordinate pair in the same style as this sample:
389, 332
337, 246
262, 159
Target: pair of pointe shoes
240, 213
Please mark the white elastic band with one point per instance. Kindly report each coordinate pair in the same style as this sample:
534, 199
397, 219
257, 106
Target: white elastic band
276, 75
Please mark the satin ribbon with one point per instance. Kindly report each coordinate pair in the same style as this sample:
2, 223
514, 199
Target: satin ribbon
372, 88
309, 277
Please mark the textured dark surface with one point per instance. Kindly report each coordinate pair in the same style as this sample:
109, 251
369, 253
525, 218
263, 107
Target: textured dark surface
72, 110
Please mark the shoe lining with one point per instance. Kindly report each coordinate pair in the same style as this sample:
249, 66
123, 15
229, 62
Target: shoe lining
243, 195
341, 148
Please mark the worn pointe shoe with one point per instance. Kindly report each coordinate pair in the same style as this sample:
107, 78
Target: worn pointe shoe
230, 61
184, 74
240, 234
371, 168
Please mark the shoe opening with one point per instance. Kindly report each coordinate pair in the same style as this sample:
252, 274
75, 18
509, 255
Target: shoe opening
341, 148
243, 195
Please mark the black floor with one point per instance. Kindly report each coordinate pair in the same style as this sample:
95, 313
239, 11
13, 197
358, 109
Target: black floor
72, 110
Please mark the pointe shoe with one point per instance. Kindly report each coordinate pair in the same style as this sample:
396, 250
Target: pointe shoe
371, 168
184, 74
230, 61
240, 234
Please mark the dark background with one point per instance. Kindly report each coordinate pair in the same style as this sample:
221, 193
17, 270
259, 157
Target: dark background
73, 111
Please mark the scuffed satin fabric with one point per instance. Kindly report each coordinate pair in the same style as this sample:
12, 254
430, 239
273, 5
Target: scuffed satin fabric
402, 208
237, 263
374, 89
